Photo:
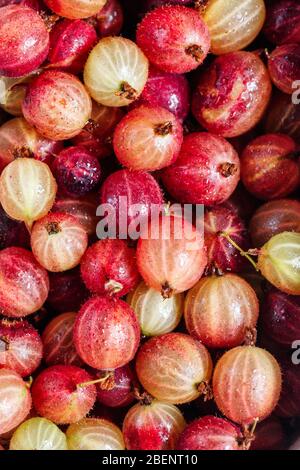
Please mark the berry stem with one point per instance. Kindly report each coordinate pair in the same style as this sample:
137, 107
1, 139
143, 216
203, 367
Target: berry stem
143, 397
107, 382
242, 252
29, 383
248, 435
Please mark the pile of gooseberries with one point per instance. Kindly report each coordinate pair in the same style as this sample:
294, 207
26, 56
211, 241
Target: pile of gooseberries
149, 225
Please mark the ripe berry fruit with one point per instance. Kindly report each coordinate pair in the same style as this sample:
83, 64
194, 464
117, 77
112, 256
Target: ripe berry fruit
38, 434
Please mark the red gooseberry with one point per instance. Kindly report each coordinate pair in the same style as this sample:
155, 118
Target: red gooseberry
116, 388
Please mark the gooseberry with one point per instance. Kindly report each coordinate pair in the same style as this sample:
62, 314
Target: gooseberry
63, 394
206, 171
232, 94
174, 38
272, 218
126, 72
38, 434
64, 238
279, 262
269, 166
24, 284
15, 400
110, 19
21, 347
109, 267
78, 9
106, 333
282, 25
174, 368
283, 116
27, 190
83, 209
24, 41
222, 311
57, 105
94, 434
116, 388
152, 426
284, 67
58, 341
247, 384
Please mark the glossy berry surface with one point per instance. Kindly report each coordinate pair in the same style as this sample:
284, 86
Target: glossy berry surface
174, 38
274, 217
269, 166
156, 359
59, 394
106, 333
57, 105
94, 434
110, 19
168, 90
24, 34
222, 255
244, 400
154, 426
77, 171
210, 433
38, 434
284, 67
135, 188
148, 138
109, 267
21, 348
206, 171
232, 94
117, 388
24, 283
58, 342
72, 10
282, 25
70, 44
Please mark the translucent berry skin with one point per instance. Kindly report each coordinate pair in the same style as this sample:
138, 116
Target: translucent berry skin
74, 10
24, 284
20, 203
126, 68
95, 434
82, 208
284, 66
282, 25
156, 315
57, 105
97, 139
24, 34
110, 19
283, 116
153, 427
121, 392
38, 434
280, 317
210, 433
15, 399
220, 311
231, 25
232, 94
278, 261
185, 361
109, 267
289, 403
58, 396
20, 139
77, 171
220, 252
67, 291
174, 38
106, 333
148, 138
21, 348
58, 341
168, 90
207, 170
137, 187
10, 231
175, 259
246, 384
65, 239
269, 166
70, 44
273, 218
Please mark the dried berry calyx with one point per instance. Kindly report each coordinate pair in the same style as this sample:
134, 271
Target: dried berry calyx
228, 169
127, 91
23, 152
166, 290
205, 391
53, 228
195, 51
164, 128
